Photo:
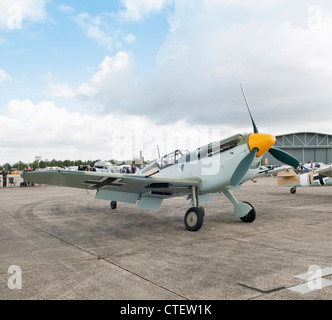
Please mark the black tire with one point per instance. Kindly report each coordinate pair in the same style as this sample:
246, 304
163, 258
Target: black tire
293, 190
193, 219
251, 216
203, 209
113, 204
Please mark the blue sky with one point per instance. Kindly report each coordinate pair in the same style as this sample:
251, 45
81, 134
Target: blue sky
136, 73
59, 47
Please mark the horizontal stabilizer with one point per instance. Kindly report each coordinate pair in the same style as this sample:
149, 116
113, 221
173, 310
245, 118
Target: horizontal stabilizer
326, 172
287, 174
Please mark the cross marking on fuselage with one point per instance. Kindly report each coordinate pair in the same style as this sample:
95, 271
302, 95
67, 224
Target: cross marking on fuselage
320, 178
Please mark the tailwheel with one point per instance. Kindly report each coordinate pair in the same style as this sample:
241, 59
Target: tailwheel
193, 219
293, 190
251, 216
113, 204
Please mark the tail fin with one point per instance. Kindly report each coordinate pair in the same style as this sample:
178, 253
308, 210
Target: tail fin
288, 177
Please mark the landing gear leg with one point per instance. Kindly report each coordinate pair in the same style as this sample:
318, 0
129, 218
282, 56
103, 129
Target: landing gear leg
243, 210
194, 217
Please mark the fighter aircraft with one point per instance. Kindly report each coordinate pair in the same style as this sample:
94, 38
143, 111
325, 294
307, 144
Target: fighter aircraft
314, 178
200, 174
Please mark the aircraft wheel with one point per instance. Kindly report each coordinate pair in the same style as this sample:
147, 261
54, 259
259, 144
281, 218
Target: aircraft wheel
193, 219
113, 204
203, 209
251, 216
293, 190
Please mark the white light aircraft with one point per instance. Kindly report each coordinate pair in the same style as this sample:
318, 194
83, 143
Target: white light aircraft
201, 174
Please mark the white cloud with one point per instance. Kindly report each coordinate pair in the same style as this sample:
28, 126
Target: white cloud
44, 129
284, 62
65, 8
282, 58
55, 133
130, 38
14, 13
106, 28
285, 66
99, 28
61, 90
112, 84
4, 76
58, 89
137, 10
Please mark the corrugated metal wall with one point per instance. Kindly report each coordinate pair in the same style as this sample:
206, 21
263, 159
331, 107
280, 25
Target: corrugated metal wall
305, 146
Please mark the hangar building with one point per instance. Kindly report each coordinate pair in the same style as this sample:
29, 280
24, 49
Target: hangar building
304, 146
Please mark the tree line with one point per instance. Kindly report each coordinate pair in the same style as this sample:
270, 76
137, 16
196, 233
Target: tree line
20, 166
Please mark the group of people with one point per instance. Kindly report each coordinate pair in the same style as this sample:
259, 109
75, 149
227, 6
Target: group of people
127, 170
5, 173
86, 168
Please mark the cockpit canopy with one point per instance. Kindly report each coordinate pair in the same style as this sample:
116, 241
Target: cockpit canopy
171, 158
181, 156
166, 161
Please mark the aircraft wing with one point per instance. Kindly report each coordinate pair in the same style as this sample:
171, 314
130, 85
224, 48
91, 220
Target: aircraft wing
150, 191
265, 170
326, 171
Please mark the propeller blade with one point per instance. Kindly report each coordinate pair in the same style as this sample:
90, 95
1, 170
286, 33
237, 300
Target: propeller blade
243, 168
252, 119
284, 157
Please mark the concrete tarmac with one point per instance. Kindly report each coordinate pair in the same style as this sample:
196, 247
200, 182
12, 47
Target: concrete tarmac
61, 243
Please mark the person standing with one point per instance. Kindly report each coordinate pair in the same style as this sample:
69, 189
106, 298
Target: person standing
4, 173
133, 169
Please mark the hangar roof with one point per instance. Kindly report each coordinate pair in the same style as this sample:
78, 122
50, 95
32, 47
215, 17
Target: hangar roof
304, 140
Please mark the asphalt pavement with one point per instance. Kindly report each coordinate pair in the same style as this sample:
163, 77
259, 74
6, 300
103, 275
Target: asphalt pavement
61, 243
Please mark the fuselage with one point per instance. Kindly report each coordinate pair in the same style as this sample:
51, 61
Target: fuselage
213, 163
309, 179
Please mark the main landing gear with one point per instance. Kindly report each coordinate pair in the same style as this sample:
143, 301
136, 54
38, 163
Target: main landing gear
194, 217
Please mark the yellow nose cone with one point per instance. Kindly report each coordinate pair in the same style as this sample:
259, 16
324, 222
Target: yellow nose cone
262, 141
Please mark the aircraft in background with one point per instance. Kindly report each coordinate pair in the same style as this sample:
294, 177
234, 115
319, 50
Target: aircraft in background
314, 178
309, 166
215, 168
